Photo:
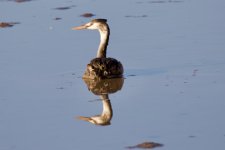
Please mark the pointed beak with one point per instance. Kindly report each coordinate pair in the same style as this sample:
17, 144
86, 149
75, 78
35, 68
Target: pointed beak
84, 118
80, 27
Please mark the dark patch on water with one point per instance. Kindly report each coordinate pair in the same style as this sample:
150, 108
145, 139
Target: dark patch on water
65, 7
57, 18
131, 75
146, 145
192, 136
8, 24
87, 15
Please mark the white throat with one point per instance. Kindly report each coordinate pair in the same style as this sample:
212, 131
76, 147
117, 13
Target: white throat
103, 44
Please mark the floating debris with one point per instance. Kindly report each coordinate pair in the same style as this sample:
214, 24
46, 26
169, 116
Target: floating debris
87, 15
64, 8
7, 24
146, 145
4, 24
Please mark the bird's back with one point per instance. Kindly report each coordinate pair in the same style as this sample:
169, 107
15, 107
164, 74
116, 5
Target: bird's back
104, 68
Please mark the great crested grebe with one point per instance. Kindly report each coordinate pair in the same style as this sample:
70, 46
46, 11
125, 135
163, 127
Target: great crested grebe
101, 67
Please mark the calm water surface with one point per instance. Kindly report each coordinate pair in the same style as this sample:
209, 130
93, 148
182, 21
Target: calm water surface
173, 55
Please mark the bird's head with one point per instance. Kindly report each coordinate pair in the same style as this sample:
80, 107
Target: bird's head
99, 24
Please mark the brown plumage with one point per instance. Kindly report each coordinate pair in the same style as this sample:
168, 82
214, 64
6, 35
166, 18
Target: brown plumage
104, 68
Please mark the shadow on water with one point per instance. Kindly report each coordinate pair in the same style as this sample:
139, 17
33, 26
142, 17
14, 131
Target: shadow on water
103, 88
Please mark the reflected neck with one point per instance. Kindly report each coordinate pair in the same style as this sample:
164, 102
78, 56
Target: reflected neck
107, 108
104, 39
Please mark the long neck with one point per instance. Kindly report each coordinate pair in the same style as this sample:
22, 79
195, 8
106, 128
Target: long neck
104, 39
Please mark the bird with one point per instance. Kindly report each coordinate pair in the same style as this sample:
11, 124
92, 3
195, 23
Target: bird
101, 67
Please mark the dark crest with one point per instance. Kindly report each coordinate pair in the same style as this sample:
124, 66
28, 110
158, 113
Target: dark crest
100, 20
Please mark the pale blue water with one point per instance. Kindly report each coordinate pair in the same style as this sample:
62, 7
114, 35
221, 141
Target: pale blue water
173, 55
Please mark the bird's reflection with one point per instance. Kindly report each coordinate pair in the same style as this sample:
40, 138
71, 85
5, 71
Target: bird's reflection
103, 88
106, 116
